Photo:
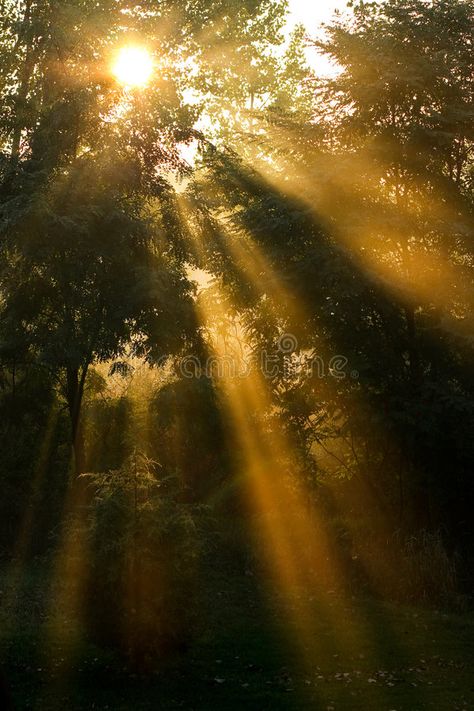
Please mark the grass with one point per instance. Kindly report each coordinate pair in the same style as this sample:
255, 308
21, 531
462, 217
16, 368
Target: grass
361, 654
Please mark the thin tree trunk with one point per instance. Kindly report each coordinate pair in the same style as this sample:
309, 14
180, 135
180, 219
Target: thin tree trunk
401, 497
75, 390
413, 356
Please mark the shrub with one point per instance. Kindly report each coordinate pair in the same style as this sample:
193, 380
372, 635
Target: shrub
431, 570
144, 549
414, 568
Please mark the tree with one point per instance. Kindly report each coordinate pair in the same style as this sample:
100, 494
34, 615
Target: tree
104, 290
93, 260
404, 102
400, 115
356, 229
87, 272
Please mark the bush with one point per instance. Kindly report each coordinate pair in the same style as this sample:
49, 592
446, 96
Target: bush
431, 571
414, 568
144, 550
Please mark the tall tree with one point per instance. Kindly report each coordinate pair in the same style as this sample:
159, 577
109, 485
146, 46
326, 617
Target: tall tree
93, 256
364, 228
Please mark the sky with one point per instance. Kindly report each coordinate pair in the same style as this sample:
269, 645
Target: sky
312, 13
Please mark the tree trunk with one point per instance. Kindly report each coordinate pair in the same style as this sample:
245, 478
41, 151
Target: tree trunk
74, 393
413, 356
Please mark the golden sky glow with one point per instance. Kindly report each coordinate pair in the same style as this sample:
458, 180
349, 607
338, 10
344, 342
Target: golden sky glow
133, 66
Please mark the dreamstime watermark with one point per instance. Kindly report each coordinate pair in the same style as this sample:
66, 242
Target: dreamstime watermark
285, 360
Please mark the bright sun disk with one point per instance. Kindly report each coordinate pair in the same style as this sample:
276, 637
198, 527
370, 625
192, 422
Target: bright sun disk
133, 66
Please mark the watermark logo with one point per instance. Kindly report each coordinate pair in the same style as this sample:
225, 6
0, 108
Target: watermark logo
287, 343
284, 360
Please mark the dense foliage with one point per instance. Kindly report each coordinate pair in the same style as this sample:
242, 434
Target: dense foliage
144, 547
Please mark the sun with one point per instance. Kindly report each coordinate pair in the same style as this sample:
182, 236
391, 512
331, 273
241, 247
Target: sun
133, 66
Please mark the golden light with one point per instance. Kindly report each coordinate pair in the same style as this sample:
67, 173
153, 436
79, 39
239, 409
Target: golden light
133, 66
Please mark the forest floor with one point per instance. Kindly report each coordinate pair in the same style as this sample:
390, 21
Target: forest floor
257, 650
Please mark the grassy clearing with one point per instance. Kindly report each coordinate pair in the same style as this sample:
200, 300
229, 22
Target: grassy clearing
364, 655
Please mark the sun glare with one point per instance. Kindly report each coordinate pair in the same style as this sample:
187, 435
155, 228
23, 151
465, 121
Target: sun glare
133, 67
